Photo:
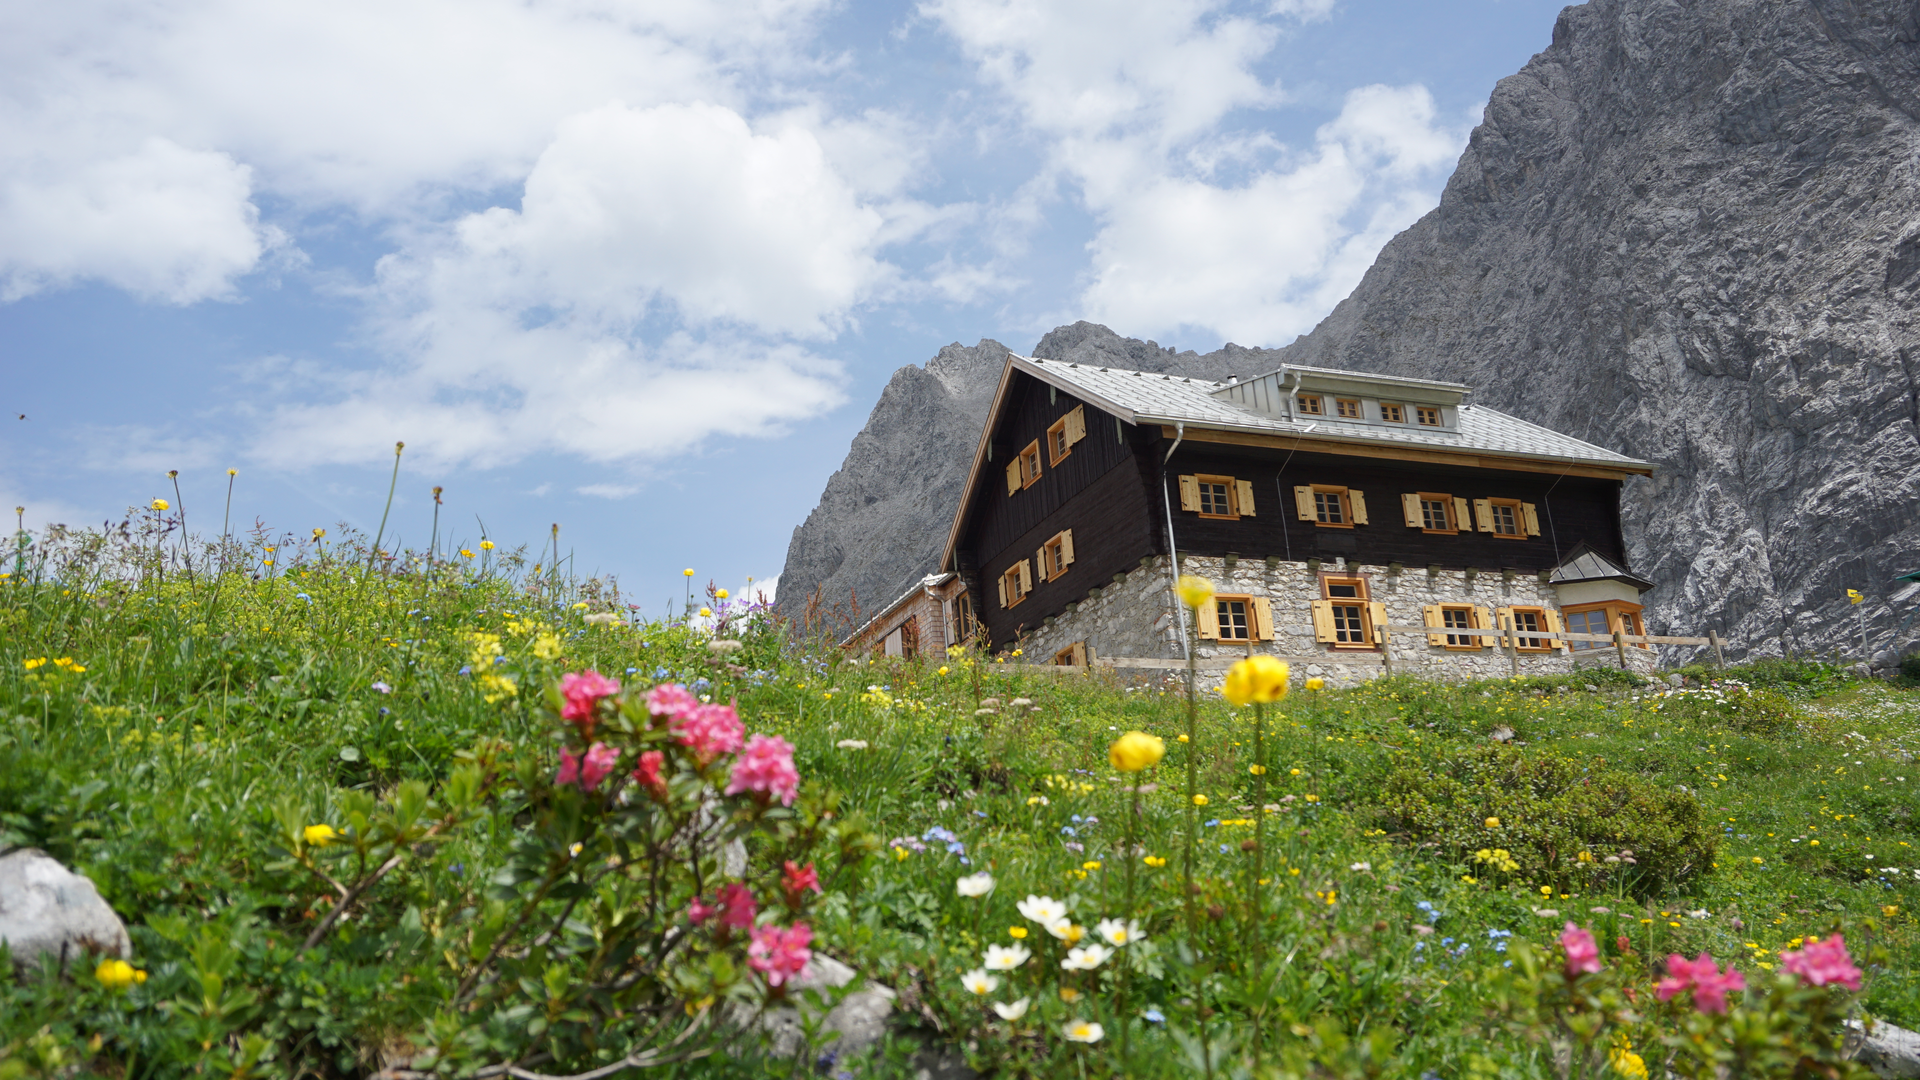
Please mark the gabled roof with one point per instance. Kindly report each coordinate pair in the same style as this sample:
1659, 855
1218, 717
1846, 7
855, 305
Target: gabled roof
1144, 398
931, 581
1139, 397
1586, 564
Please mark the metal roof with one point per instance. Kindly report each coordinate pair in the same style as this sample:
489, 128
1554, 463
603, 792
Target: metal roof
1586, 564
925, 583
1142, 397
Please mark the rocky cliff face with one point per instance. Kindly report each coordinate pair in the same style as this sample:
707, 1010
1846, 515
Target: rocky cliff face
1691, 232
1686, 231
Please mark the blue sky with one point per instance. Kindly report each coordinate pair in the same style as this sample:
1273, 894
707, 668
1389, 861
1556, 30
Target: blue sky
641, 269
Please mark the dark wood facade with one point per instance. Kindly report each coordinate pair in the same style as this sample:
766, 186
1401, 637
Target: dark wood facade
1112, 491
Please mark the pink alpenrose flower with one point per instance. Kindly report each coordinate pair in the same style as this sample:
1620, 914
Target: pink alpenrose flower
738, 907
1583, 955
582, 691
766, 768
797, 880
780, 954
709, 731
700, 911
669, 700
1701, 976
589, 769
1823, 962
647, 774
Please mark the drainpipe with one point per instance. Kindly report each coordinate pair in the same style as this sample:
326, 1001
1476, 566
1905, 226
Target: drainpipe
1173, 559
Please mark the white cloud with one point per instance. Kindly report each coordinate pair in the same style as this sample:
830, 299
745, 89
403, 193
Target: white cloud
162, 222
608, 491
1305, 10
1262, 261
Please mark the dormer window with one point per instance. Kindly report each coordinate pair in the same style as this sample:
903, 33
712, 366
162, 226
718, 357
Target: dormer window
1349, 408
1393, 414
1427, 415
1311, 405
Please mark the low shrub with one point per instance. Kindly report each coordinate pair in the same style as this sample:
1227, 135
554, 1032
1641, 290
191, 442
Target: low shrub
1531, 815
1729, 705
1797, 676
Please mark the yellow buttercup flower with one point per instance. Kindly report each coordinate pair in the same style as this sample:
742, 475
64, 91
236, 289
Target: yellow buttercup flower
486, 545
319, 534
466, 553
720, 593
118, 974
1136, 750
1316, 684
1183, 738
1257, 678
706, 612
943, 669
688, 571
158, 504
1199, 800
319, 835
1016, 932
1194, 591
1493, 823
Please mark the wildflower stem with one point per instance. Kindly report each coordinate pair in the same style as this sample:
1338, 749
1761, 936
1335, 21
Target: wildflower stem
1193, 782
180, 504
226, 523
1127, 855
1256, 961
374, 552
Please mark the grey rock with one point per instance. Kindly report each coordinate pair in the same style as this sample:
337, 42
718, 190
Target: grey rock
1592, 689
47, 910
1889, 1051
860, 1017
1676, 681
1503, 733
1687, 232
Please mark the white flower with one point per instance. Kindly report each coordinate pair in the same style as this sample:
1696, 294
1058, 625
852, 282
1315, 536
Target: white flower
1360, 866
602, 618
852, 744
1001, 958
1044, 910
979, 884
1086, 958
979, 982
1083, 1031
1011, 1012
1064, 929
1119, 933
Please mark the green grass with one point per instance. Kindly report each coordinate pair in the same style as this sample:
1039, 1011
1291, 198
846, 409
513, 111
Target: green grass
208, 710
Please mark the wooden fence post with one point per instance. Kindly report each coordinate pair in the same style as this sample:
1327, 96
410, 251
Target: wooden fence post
1386, 653
1513, 647
1620, 646
1719, 658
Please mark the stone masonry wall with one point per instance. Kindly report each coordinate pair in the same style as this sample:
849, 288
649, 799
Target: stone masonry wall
1134, 618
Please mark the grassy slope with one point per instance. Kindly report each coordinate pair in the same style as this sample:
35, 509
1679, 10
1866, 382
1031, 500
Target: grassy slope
156, 772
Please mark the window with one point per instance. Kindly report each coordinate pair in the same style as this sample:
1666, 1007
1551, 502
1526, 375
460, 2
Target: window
963, 627
1331, 507
1222, 497
1030, 464
1458, 618
1510, 518
1074, 655
1393, 414
1427, 415
1348, 408
1604, 618
1345, 618
1432, 511
1016, 583
1241, 619
1231, 616
1056, 555
1526, 623
1066, 431
1311, 405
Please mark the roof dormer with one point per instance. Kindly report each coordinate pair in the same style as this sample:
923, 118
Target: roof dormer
1349, 399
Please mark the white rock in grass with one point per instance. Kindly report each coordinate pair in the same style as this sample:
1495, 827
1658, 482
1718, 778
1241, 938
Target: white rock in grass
860, 1017
48, 910
1889, 1051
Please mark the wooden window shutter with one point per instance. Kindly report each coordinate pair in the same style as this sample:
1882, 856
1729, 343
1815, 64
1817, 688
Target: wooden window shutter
1076, 424
1323, 620
1189, 494
1206, 621
1377, 615
1432, 616
1554, 624
1243, 498
1079, 654
1262, 619
1040, 566
1013, 476
1026, 578
1303, 502
1533, 519
1066, 549
1482, 620
1358, 500
1002, 582
1483, 514
1410, 506
1462, 521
